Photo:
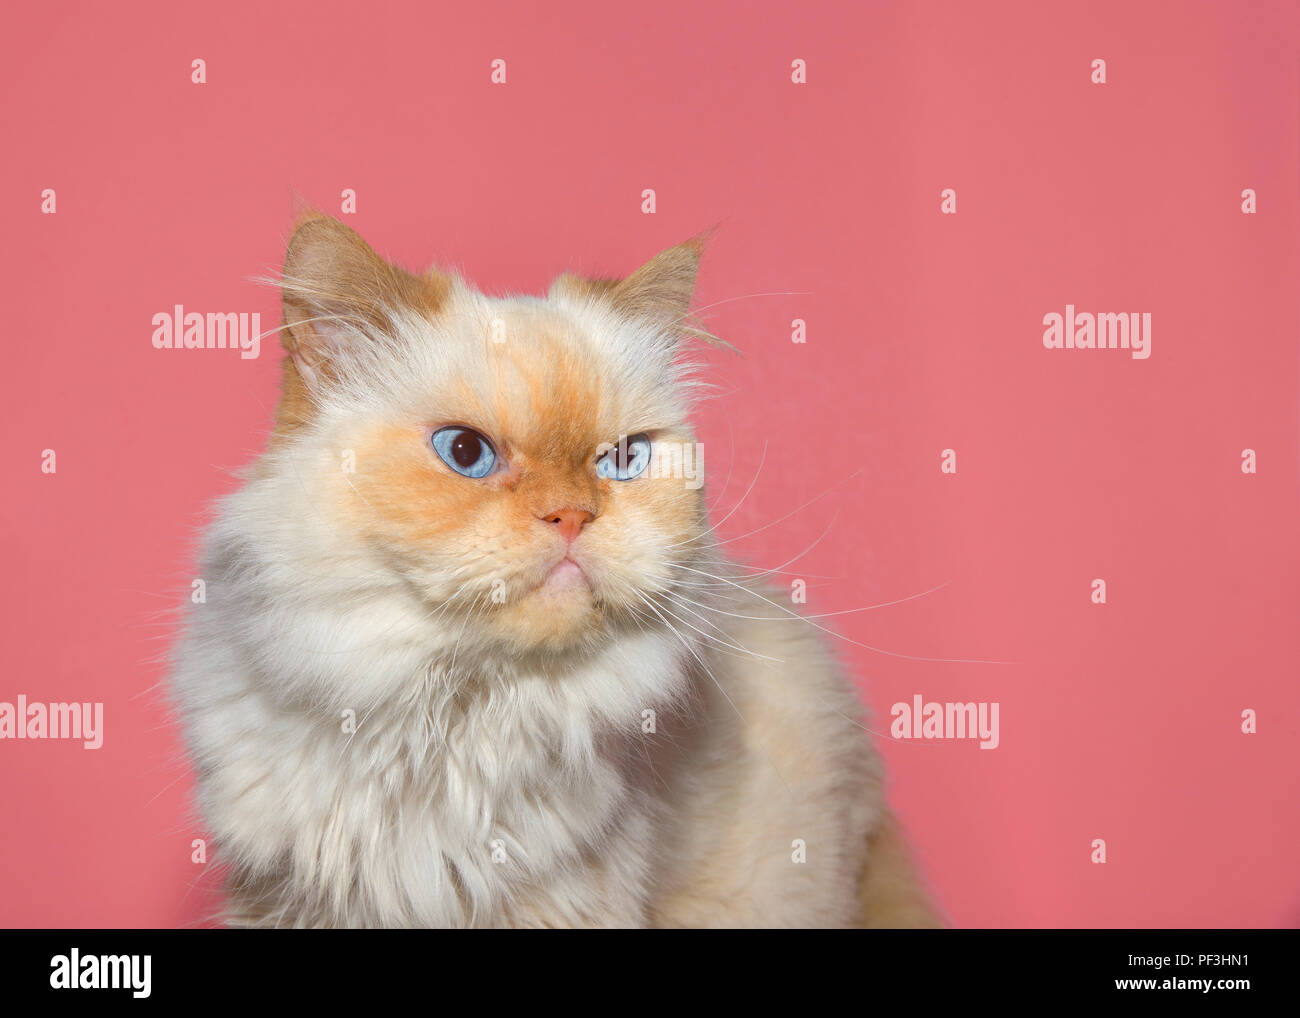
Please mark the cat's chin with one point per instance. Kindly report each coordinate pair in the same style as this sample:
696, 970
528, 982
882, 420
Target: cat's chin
559, 612
565, 576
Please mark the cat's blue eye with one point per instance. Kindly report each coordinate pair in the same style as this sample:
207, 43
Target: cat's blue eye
465, 451
627, 459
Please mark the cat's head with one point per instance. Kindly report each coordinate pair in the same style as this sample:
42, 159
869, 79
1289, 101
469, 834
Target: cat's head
522, 465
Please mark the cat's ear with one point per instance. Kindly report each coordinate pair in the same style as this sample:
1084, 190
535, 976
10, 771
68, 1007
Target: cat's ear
660, 290
338, 291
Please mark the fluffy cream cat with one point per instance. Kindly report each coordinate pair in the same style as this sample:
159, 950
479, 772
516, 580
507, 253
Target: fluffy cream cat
469, 654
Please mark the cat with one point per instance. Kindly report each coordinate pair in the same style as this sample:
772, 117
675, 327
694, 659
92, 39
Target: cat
468, 659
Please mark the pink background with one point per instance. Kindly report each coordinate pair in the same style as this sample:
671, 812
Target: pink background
1119, 721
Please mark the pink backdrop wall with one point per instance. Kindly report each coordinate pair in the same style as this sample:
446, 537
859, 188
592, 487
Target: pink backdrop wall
1119, 721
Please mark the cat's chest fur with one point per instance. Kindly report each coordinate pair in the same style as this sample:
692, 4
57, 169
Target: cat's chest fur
517, 799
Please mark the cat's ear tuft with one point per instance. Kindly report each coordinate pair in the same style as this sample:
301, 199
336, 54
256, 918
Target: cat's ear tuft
660, 290
337, 291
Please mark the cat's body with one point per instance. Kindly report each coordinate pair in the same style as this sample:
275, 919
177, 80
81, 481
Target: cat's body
536, 697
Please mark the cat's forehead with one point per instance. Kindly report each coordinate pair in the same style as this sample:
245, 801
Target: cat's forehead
554, 376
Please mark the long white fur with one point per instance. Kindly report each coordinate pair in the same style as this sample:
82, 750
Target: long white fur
486, 787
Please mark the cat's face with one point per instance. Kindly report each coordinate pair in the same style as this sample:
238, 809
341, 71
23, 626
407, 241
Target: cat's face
523, 465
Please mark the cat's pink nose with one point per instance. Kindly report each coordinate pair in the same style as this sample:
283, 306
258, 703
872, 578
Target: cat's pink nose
569, 521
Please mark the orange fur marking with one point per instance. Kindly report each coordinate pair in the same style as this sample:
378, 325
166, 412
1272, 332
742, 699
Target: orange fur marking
330, 270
